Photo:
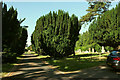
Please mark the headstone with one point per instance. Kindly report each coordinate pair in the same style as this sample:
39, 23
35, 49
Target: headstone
103, 50
89, 50
86, 51
93, 50
80, 51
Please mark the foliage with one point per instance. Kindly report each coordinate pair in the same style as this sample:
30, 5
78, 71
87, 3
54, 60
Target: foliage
108, 48
95, 8
31, 47
105, 29
86, 41
14, 36
55, 34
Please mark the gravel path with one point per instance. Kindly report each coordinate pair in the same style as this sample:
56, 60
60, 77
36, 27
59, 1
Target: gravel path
32, 68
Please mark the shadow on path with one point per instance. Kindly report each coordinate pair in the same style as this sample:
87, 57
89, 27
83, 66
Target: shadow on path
32, 68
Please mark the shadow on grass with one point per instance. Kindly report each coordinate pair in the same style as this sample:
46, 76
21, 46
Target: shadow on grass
40, 71
74, 63
83, 55
31, 68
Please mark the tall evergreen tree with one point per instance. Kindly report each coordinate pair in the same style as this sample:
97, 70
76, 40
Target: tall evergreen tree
55, 34
13, 35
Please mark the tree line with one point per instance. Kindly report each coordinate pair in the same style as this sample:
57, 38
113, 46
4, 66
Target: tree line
103, 31
86, 41
56, 34
14, 36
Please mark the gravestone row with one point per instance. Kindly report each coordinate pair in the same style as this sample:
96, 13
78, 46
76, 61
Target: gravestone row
92, 50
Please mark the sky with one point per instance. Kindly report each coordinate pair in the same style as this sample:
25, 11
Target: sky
34, 10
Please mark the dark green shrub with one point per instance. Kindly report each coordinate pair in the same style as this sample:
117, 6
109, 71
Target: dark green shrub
56, 34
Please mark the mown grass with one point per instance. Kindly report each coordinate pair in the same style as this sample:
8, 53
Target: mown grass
7, 67
73, 63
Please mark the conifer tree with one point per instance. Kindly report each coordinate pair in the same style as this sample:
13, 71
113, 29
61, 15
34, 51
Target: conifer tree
55, 34
14, 36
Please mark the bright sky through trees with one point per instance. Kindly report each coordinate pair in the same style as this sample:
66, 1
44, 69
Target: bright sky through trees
33, 10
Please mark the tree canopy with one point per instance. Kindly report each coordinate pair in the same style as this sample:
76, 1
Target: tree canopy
95, 9
105, 29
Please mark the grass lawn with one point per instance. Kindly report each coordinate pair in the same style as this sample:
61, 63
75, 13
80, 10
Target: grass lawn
7, 67
80, 61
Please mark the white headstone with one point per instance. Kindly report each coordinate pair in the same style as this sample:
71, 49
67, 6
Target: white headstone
103, 50
80, 50
93, 50
89, 50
